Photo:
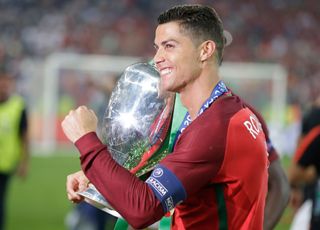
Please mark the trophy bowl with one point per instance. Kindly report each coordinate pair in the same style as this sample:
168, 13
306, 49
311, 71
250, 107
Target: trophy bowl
135, 125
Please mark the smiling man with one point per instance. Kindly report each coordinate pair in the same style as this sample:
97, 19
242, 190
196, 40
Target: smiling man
216, 176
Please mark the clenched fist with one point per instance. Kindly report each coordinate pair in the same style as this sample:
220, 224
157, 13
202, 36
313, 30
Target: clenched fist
79, 122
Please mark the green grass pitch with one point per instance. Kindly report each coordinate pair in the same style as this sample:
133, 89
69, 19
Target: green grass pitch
40, 202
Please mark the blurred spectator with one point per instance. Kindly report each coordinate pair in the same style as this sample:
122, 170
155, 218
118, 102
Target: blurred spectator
284, 32
305, 170
14, 153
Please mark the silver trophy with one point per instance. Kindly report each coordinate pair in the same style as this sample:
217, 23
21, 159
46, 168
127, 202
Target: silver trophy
135, 125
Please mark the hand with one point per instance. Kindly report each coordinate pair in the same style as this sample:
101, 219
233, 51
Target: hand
76, 182
296, 199
22, 169
79, 122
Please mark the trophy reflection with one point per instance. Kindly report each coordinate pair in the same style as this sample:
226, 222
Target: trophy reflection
135, 125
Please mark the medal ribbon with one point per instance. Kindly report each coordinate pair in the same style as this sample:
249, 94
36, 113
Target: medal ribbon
218, 91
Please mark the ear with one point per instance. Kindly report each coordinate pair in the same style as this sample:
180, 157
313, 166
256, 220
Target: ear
207, 49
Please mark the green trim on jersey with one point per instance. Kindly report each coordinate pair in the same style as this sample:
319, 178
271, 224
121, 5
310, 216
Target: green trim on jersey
165, 223
222, 209
121, 224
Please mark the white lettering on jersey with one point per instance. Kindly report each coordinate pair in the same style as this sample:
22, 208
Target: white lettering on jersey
253, 126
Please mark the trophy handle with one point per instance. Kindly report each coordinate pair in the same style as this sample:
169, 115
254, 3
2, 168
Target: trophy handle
93, 196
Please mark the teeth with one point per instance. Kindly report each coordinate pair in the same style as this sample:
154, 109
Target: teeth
165, 71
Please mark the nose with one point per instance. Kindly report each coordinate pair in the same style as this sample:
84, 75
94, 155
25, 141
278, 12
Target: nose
158, 57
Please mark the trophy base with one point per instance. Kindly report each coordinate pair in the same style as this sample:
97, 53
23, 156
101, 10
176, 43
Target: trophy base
93, 197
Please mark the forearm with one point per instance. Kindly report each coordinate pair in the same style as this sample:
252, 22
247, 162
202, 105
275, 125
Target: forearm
130, 196
22, 168
278, 195
25, 149
275, 204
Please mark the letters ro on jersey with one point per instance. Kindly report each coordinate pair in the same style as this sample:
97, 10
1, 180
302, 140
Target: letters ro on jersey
253, 125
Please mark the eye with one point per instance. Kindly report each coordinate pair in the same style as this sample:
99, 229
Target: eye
168, 46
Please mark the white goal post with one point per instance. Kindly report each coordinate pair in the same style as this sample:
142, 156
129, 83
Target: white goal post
267, 80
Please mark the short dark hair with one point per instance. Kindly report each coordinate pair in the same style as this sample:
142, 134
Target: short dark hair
202, 22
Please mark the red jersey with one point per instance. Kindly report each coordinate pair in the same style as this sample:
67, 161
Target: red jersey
216, 177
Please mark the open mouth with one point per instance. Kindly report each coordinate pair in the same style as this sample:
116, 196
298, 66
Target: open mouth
165, 71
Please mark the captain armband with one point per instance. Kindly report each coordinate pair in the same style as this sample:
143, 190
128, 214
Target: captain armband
167, 187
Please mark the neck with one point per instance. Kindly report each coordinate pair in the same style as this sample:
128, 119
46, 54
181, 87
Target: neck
196, 93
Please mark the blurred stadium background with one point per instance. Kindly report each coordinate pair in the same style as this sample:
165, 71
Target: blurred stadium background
62, 50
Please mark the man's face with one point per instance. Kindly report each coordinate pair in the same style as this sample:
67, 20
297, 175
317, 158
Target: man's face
6, 85
176, 58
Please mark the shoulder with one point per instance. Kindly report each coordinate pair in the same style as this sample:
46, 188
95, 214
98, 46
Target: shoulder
211, 127
17, 99
15, 102
223, 111
18, 102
